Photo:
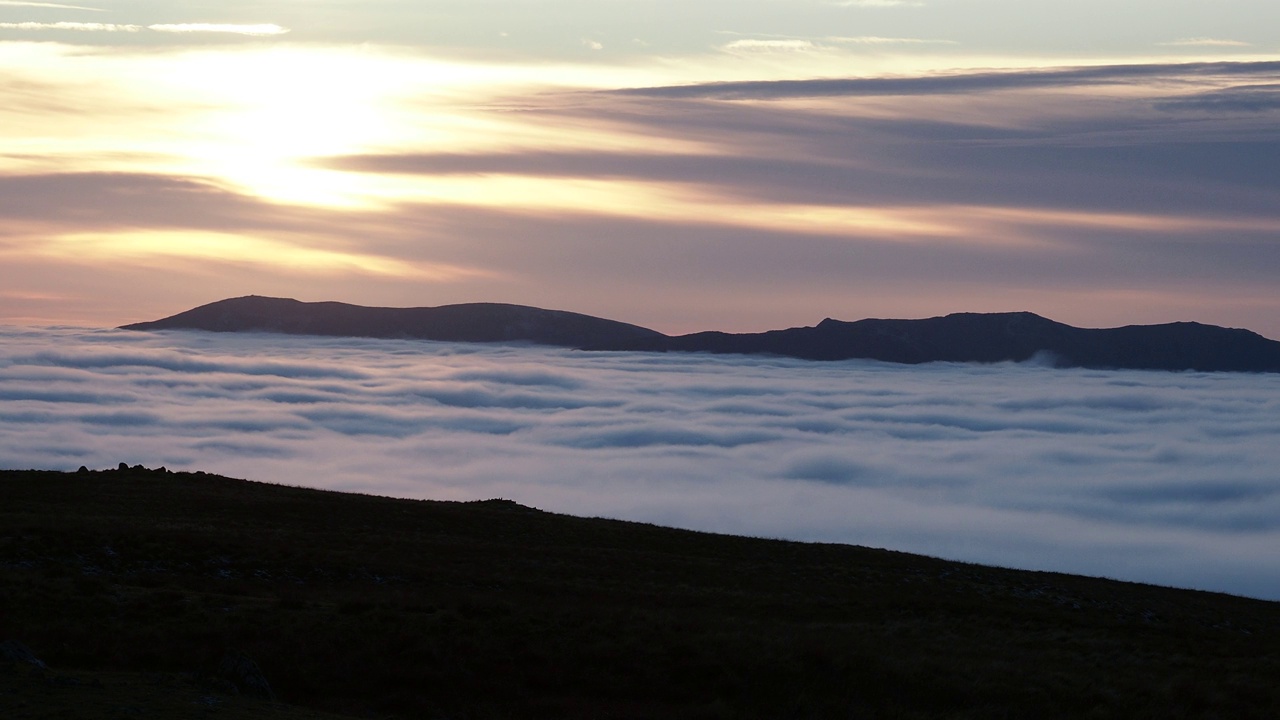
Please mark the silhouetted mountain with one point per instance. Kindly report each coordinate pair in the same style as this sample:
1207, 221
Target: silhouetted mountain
998, 337
472, 322
961, 337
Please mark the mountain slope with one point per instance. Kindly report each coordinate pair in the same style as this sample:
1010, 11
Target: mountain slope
998, 337
960, 337
473, 322
376, 607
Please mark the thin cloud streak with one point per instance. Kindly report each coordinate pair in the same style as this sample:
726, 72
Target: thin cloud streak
874, 3
259, 29
76, 26
228, 28
1160, 477
1205, 42
956, 83
56, 6
880, 40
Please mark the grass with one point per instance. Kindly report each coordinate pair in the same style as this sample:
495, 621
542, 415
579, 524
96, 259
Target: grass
363, 606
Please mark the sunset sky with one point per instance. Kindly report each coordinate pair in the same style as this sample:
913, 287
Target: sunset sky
691, 165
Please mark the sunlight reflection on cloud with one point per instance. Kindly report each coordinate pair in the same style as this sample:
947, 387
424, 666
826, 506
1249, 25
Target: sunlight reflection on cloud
1161, 477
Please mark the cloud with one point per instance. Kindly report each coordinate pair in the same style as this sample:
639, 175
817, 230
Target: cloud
261, 29
51, 5
1205, 42
770, 45
107, 200
740, 206
258, 29
180, 363
879, 40
791, 44
1245, 98
787, 156
23, 3
833, 468
954, 83
76, 26
592, 44
875, 3
149, 218
1158, 477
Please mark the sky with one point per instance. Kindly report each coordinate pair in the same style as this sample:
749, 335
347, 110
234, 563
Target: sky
1158, 477
685, 166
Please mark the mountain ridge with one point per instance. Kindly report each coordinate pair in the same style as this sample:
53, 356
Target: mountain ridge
469, 322
958, 337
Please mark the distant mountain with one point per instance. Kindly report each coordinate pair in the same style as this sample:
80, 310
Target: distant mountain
998, 337
472, 322
961, 337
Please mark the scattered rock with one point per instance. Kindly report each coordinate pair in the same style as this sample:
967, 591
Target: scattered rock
14, 651
244, 673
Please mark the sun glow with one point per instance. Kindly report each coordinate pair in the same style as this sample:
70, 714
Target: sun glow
256, 118
163, 248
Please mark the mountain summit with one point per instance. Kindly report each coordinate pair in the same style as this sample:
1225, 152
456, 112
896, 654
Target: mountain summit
960, 337
1000, 337
471, 322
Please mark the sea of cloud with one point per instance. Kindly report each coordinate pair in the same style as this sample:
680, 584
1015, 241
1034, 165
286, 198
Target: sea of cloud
1170, 478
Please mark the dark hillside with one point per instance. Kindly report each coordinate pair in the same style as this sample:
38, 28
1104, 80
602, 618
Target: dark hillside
1000, 337
473, 322
960, 337
371, 606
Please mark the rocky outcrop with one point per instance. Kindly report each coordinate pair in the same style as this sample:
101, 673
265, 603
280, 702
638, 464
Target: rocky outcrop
15, 652
242, 672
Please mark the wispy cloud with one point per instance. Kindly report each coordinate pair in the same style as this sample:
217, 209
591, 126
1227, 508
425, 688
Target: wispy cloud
234, 29
156, 220
1205, 42
875, 3
1244, 98
77, 26
21, 3
770, 45
962, 82
760, 43
231, 28
877, 40
737, 206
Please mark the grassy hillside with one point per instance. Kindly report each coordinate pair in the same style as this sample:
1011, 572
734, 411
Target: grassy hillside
135, 586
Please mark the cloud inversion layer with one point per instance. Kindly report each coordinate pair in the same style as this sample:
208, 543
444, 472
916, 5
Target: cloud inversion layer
1162, 477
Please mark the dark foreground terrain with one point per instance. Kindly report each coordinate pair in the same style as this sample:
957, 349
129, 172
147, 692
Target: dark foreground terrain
156, 594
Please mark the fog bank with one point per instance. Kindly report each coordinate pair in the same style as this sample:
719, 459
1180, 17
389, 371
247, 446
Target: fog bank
1156, 477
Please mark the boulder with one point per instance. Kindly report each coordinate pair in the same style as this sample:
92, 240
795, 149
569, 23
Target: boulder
240, 670
15, 652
